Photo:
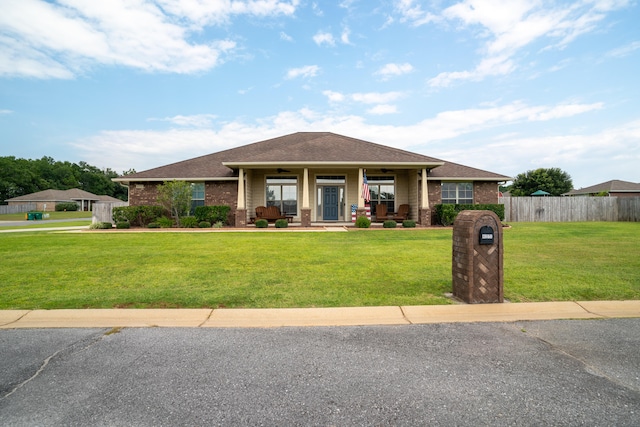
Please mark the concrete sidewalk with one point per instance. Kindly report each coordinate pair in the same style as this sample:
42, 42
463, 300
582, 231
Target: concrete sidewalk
340, 316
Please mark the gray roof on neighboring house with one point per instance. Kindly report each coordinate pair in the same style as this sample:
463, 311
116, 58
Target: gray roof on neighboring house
57, 196
306, 149
613, 186
105, 198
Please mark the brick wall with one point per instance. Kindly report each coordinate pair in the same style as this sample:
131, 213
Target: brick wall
223, 193
143, 193
216, 193
485, 192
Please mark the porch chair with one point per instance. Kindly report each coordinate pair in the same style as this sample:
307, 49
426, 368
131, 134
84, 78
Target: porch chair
260, 212
402, 214
381, 212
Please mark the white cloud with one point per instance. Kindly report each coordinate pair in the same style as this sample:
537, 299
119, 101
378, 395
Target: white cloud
197, 120
391, 70
140, 149
580, 154
382, 109
491, 66
376, 97
344, 37
3, 112
203, 12
563, 110
286, 37
625, 50
316, 9
334, 96
306, 71
364, 98
413, 14
324, 38
62, 39
20, 59
508, 27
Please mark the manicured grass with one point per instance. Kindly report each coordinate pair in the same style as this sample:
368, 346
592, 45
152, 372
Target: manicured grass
572, 261
543, 262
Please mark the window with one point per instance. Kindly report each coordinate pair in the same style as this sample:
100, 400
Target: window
383, 191
197, 195
282, 191
460, 193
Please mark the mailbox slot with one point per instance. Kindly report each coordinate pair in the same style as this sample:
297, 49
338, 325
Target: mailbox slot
486, 235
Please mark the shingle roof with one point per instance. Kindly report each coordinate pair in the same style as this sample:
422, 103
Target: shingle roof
105, 198
324, 147
303, 148
55, 196
613, 186
456, 171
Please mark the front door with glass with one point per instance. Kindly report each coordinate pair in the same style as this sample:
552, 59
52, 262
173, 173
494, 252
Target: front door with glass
331, 198
330, 203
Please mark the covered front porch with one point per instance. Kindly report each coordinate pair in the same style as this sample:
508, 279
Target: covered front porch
321, 194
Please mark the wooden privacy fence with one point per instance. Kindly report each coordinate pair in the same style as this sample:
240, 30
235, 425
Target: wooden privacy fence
571, 209
629, 209
103, 211
13, 209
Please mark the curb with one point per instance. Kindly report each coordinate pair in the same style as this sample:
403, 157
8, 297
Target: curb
333, 316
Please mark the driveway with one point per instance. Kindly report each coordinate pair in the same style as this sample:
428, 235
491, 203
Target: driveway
569, 372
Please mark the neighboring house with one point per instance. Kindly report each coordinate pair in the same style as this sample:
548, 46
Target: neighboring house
317, 177
613, 188
46, 200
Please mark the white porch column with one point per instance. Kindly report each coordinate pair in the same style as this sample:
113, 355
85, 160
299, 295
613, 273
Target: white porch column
241, 204
305, 209
425, 190
360, 182
305, 189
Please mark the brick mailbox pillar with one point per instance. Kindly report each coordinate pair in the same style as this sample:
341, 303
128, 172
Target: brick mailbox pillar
477, 257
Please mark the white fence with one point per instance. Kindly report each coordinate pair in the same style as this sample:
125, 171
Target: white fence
103, 211
571, 209
13, 209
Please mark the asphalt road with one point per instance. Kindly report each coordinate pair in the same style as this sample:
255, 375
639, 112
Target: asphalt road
573, 373
38, 222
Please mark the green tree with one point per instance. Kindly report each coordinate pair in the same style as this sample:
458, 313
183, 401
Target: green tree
176, 197
21, 176
17, 178
553, 180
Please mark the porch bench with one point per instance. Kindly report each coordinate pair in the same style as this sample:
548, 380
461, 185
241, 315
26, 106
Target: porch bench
270, 213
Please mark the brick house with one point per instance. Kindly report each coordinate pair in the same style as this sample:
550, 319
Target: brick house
316, 177
613, 188
47, 200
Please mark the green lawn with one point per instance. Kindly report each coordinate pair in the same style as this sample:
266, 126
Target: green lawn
543, 262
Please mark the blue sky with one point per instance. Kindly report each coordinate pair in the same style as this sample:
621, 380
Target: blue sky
502, 86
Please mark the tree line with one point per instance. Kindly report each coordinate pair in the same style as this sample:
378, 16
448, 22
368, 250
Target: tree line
25, 176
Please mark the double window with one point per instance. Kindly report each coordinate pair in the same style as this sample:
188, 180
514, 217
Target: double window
383, 191
460, 193
282, 191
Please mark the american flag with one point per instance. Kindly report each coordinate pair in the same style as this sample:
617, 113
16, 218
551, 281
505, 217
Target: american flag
365, 189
